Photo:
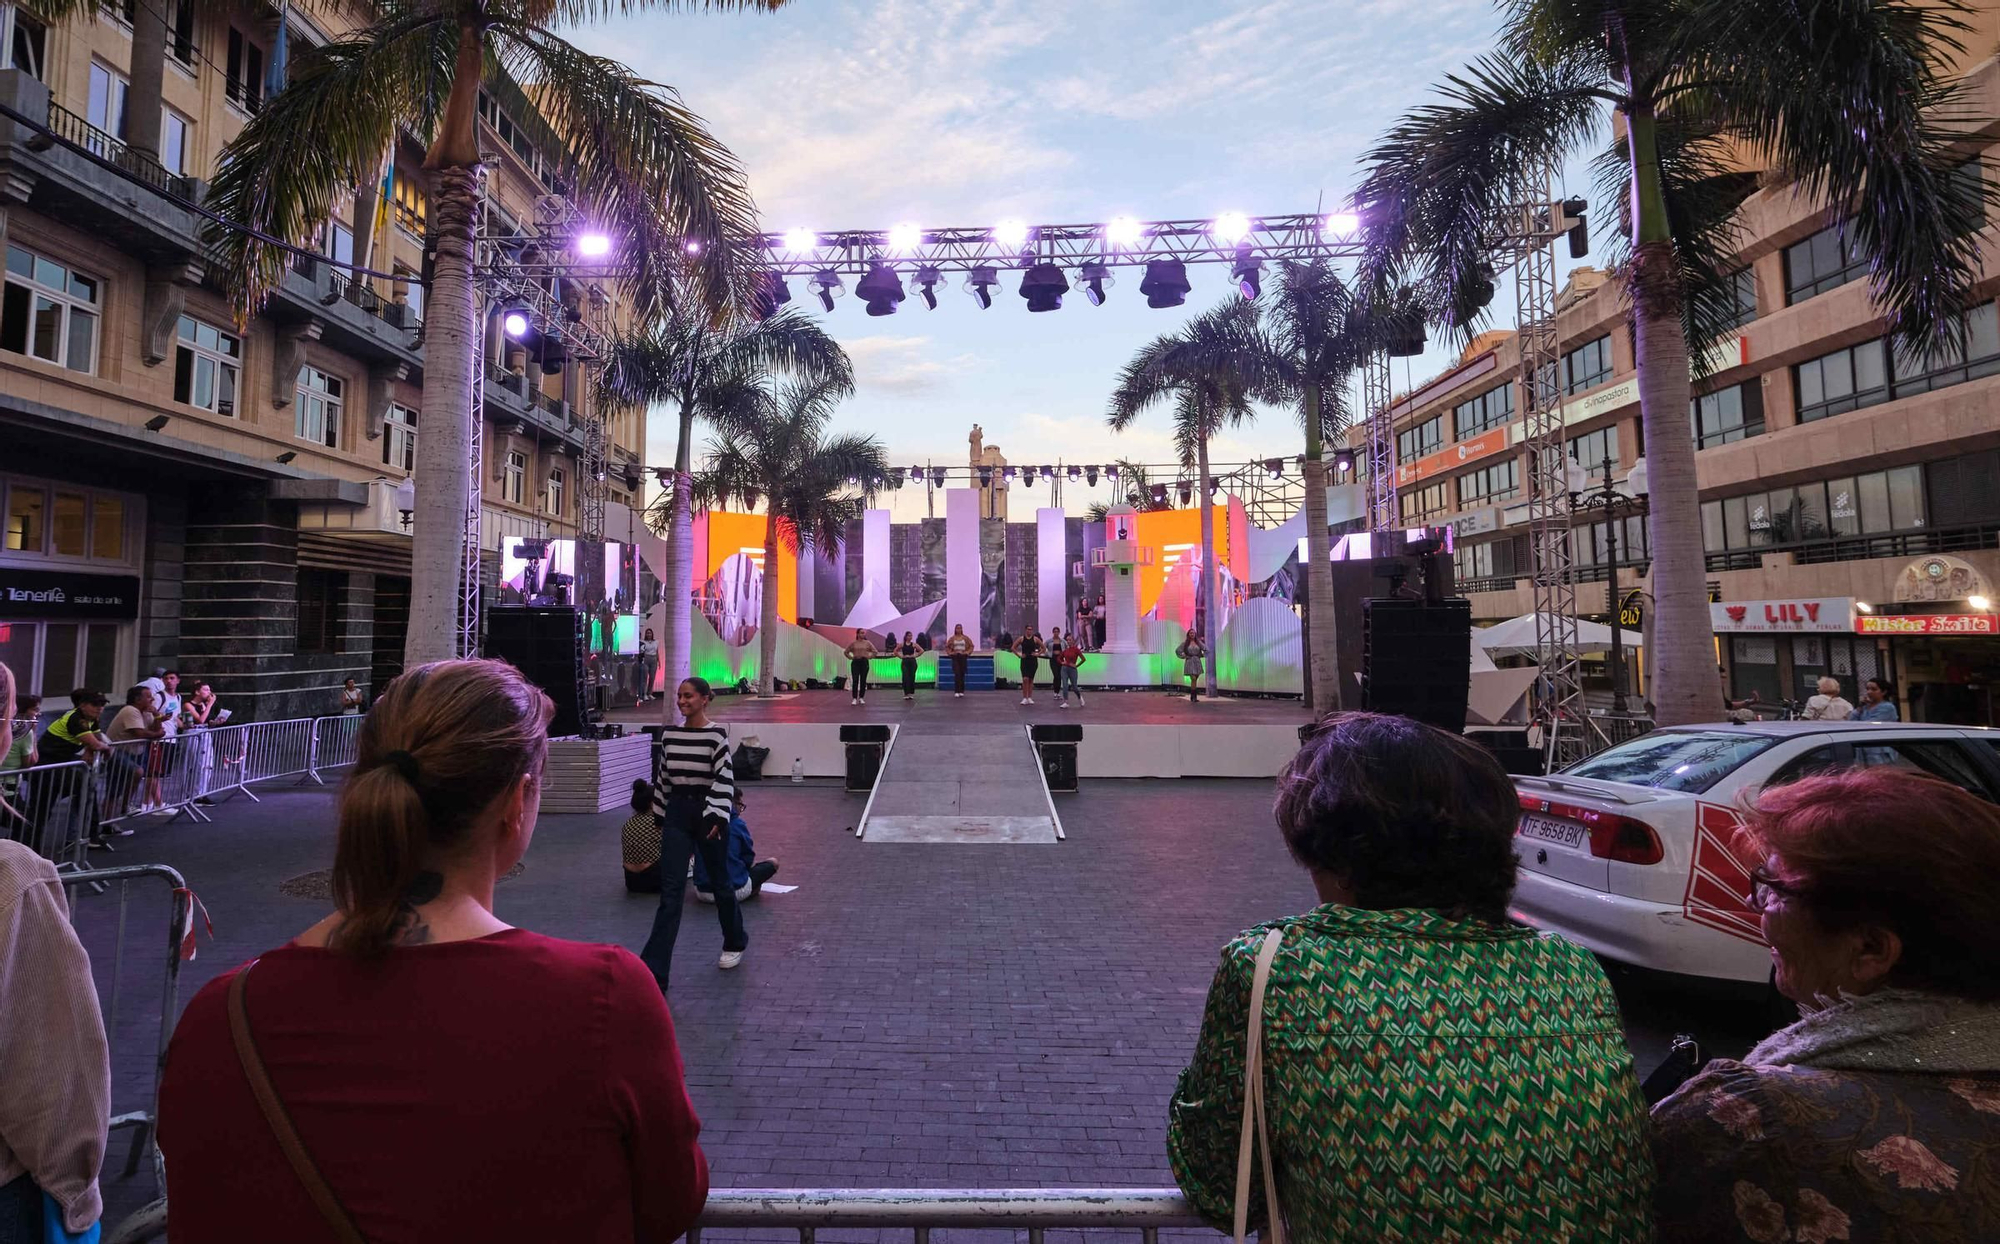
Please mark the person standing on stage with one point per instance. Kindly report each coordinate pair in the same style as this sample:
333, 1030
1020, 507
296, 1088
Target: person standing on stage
1191, 651
1068, 658
908, 651
1029, 648
1082, 633
859, 653
694, 795
649, 664
1097, 623
958, 648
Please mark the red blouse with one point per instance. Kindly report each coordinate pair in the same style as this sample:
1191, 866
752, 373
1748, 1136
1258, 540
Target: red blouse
510, 1088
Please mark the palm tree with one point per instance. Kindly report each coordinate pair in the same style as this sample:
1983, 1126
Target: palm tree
1851, 102
671, 197
775, 446
684, 360
1201, 370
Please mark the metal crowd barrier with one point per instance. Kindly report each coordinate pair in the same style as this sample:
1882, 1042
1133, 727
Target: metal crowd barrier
923, 1210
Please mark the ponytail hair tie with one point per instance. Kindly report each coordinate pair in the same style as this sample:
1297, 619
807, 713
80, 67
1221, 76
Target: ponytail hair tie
405, 764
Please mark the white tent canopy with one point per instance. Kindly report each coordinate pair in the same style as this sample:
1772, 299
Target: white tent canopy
1516, 637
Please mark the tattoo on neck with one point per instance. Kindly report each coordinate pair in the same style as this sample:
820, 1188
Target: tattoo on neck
410, 929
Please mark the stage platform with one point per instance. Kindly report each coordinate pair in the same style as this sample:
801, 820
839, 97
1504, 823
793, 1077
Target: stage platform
1126, 734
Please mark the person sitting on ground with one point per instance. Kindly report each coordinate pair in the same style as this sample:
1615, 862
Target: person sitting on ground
1875, 1116
1421, 1052
639, 841
55, 1101
448, 1076
1876, 704
1829, 704
747, 873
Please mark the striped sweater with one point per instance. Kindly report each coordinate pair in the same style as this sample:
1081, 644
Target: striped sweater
695, 759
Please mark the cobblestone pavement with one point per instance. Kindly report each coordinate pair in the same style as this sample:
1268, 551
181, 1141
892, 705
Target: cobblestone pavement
913, 1015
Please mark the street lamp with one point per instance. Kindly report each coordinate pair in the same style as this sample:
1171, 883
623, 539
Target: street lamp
1609, 496
405, 494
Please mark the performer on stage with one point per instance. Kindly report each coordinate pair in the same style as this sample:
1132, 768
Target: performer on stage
1029, 648
859, 654
694, 796
1191, 651
1068, 659
908, 651
958, 648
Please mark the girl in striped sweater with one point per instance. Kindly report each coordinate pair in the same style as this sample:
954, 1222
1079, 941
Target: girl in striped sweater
693, 797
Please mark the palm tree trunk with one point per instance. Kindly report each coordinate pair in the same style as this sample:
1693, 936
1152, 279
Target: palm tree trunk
148, 81
1322, 626
767, 622
1683, 665
677, 644
443, 480
1207, 595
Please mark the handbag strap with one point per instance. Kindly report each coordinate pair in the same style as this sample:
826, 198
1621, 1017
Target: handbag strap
273, 1107
1256, 1122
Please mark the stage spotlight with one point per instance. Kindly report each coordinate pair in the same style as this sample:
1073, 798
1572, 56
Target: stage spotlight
1579, 229
896, 478
1276, 466
1009, 472
1213, 485
937, 476
1095, 278
1011, 233
1160, 495
772, 293
1340, 225
904, 238
1231, 227
1481, 288
826, 283
1111, 473
1406, 337
692, 247
1123, 231
1166, 283
980, 285
799, 241
917, 473
986, 477
1090, 476
516, 323
1043, 287
1028, 481
593, 245
880, 290
1187, 494
928, 279
1074, 472
1343, 461
1248, 275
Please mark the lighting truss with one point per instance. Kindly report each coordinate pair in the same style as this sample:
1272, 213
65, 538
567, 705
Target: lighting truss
1379, 447
1301, 238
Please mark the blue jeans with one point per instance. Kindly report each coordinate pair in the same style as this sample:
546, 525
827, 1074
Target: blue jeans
681, 835
1066, 682
20, 1212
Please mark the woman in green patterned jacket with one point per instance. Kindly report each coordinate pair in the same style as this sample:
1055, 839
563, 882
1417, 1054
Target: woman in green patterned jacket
1432, 1071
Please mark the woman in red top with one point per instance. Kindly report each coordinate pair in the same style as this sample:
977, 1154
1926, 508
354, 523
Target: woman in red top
451, 1078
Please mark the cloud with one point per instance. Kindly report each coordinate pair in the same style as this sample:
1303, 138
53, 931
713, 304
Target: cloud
904, 366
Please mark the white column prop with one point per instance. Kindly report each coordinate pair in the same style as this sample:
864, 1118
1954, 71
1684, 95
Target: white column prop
1121, 583
1051, 569
875, 566
808, 562
961, 560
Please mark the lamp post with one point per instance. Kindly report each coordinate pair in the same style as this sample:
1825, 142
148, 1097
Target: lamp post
1609, 496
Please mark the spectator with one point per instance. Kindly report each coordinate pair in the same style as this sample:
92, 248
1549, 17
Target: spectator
1876, 704
55, 1100
21, 754
1829, 704
639, 842
199, 708
353, 701
1873, 1117
133, 725
74, 735
1422, 1054
747, 873
450, 1077
693, 795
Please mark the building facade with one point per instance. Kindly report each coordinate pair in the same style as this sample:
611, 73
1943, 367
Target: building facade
1849, 509
186, 491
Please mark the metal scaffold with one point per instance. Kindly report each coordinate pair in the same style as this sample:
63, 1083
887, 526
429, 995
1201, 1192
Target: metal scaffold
1379, 471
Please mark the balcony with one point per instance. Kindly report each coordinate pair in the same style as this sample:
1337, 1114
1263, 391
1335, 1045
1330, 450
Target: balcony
510, 400
353, 318
77, 174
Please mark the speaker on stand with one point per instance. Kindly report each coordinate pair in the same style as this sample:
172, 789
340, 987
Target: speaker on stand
547, 644
1417, 659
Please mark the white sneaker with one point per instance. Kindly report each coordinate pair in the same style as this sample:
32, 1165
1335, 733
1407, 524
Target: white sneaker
1062, 703
1024, 699
854, 701
958, 695
729, 959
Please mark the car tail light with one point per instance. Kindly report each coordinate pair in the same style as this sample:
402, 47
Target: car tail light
1626, 839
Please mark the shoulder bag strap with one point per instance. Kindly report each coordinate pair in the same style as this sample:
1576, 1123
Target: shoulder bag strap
281, 1123
1256, 1125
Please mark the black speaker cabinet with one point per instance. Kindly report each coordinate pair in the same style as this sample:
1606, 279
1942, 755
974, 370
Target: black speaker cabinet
864, 765
546, 645
864, 734
1056, 732
1417, 659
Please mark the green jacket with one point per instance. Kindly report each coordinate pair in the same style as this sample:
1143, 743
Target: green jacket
1428, 1079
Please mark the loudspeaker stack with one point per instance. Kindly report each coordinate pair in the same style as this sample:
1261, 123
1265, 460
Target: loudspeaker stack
1417, 659
547, 645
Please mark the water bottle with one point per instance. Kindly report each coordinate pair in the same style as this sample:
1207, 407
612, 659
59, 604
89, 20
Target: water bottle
798, 769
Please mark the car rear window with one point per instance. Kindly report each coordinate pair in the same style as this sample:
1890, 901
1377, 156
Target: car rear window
1690, 761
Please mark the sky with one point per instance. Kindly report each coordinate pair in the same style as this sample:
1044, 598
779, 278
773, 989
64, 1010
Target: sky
965, 112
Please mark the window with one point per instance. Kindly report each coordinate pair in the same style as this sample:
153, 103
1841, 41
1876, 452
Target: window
245, 84
1975, 353
27, 519
1728, 415
1587, 366
1418, 504
61, 655
1940, 758
173, 142
65, 522
1489, 410
409, 203
1961, 489
514, 136
1690, 761
1596, 452
207, 366
555, 496
1593, 547
107, 528
321, 594
399, 446
318, 404
48, 311
412, 291
107, 105
23, 43
1822, 262
339, 243
1490, 484
1494, 559
1426, 437
1742, 285
1878, 503
515, 480
1844, 380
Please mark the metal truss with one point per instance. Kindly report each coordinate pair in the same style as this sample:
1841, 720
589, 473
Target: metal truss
469, 550
1377, 397
1302, 238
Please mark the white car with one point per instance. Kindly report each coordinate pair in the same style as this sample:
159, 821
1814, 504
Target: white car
1630, 852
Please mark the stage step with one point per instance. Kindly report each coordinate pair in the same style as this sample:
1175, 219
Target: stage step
960, 788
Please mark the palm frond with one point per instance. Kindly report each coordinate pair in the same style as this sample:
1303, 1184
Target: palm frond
566, 13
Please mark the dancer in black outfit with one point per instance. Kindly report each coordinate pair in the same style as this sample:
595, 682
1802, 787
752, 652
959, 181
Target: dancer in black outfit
958, 648
1029, 648
859, 654
908, 651
694, 795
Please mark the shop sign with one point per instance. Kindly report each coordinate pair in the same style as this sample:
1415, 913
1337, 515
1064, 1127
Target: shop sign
1632, 610
1491, 441
1477, 523
67, 594
1826, 614
1600, 402
1930, 624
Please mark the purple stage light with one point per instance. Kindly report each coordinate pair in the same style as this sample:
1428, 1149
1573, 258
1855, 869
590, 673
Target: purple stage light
1011, 233
1231, 227
799, 241
593, 245
1122, 231
515, 323
904, 238
1341, 225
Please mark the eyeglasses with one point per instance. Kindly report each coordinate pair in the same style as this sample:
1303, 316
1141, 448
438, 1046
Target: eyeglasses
1765, 889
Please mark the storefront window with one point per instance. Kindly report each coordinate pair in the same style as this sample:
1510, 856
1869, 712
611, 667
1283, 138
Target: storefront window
71, 524
107, 528
100, 657
26, 510
68, 525
59, 657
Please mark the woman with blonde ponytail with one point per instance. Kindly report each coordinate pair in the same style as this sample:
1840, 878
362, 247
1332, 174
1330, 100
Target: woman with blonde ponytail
422, 1070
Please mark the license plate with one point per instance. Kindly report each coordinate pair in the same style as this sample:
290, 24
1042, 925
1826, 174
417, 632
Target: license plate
1549, 829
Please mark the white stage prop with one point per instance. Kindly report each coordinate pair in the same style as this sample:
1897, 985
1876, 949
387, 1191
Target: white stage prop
1260, 649
875, 606
1051, 570
1516, 637
961, 560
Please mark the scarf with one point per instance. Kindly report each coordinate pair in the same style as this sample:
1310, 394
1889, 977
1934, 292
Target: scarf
1890, 1030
